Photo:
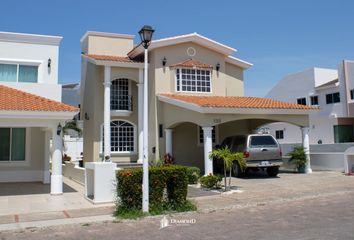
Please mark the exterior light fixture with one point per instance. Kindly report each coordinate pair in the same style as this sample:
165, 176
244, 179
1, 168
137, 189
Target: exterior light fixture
146, 36
49, 62
87, 116
217, 67
59, 128
164, 61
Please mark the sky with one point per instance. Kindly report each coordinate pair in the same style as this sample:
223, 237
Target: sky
278, 36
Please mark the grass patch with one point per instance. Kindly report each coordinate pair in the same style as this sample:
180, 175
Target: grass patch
166, 208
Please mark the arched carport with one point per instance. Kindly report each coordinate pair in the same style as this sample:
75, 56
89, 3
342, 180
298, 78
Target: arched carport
244, 113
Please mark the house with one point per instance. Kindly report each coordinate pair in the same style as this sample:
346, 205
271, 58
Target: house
331, 90
31, 112
70, 94
196, 99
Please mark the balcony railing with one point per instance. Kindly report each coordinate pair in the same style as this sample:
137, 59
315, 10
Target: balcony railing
122, 103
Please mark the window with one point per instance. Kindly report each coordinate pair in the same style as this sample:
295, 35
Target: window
122, 137
301, 101
279, 134
193, 80
262, 141
314, 100
12, 144
343, 133
333, 98
352, 94
120, 98
201, 135
18, 73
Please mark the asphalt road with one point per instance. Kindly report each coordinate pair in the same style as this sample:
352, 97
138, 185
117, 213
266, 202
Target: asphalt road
330, 217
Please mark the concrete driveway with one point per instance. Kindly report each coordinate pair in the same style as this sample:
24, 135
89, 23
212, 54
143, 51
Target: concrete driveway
258, 189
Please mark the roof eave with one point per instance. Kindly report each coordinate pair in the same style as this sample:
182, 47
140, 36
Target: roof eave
194, 37
112, 63
43, 115
238, 62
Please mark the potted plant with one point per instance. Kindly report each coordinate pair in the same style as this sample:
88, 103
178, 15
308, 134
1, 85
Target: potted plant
298, 157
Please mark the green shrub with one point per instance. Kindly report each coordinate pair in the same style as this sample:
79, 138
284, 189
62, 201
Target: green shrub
193, 174
210, 181
172, 178
177, 184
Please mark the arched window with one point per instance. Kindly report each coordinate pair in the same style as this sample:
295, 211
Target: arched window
122, 136
120, 98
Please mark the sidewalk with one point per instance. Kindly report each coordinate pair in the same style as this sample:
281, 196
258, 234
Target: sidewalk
253, 191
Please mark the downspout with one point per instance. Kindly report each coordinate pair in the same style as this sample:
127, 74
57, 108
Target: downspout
345, 74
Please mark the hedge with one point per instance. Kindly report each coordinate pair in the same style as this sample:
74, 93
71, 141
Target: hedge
172, 178
193, 174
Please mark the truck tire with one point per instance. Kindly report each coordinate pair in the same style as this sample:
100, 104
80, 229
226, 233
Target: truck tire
272, 171
236, 170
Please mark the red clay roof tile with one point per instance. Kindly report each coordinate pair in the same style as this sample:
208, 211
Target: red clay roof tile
123, 59
192, 63
16, 100
237, 102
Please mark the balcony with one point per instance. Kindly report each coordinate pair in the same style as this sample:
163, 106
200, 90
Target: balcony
121, 105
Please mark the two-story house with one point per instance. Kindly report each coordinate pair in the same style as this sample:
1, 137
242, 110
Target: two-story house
31, 112
196, 100
330, 89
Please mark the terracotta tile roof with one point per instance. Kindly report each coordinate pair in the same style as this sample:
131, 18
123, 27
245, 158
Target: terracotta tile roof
123, 59
192, 63
237, 102
16, 100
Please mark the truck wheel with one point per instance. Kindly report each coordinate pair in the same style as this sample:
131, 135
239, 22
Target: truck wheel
236, 170
272, 171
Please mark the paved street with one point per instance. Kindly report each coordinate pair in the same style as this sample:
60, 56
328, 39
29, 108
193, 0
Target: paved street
326, 216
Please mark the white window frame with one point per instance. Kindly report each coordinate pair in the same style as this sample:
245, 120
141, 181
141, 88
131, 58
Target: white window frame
27, 160
129, 93
318, 100
332, 93
307, 101
180, 74
279, 130
123, 152
24, 63
200, 129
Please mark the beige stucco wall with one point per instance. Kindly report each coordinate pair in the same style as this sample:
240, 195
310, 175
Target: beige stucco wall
93, 105
228, 81
113, 46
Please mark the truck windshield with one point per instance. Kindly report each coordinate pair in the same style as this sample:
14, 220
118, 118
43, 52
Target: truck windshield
263, 141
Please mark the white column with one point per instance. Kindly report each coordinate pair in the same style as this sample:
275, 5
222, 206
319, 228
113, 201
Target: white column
208, 147
306, 145
107, 113
56, 183
168, 136
46, 172
140, 114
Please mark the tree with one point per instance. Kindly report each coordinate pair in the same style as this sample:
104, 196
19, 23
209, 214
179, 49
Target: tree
73, 126
228, 158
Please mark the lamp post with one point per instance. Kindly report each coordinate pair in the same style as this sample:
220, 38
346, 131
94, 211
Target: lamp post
146, 36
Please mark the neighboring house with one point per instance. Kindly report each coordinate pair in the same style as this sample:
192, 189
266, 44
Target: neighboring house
70, 94
196, 100
332, 91
31, 112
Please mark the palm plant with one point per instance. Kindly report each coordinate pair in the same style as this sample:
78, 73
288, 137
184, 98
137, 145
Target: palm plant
298, 156
228, 158
73, 126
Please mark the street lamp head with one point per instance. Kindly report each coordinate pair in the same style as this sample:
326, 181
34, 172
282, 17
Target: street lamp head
146, 35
